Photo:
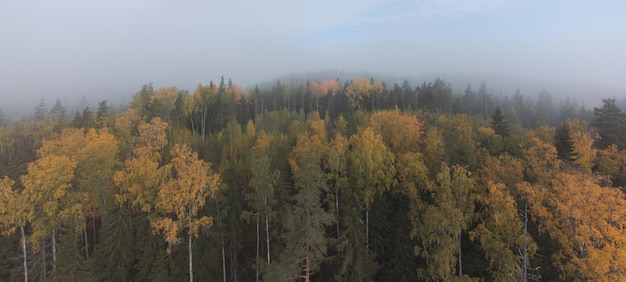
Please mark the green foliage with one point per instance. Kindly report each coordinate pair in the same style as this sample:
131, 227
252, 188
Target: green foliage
499, 125
113, 256
442, 225
611, 124
305, 220
564, 143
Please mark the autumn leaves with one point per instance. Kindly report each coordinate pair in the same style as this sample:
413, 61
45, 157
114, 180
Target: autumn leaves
73, 182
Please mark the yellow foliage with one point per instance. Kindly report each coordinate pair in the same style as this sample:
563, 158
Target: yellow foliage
181, 197
586, 219
583, 144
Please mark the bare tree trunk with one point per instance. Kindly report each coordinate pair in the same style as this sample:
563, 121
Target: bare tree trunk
204, 122
267, 231
367, 228
45, 264
337, 208
190, 259
86, 241
257, 248
24, 253
217, 206
317, 105
525, 251
307, 276
460, 262
54, 251
93, 227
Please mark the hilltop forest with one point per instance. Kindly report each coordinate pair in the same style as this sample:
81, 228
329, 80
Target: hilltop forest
323, 181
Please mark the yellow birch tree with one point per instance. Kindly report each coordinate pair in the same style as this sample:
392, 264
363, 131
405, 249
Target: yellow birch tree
182, 196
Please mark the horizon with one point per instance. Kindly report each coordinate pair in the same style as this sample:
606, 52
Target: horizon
69, 49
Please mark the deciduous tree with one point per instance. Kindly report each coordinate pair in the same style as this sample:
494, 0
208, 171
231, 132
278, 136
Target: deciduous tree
182, 196
15, 212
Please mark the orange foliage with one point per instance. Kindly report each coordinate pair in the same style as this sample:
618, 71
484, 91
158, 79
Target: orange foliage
586, 219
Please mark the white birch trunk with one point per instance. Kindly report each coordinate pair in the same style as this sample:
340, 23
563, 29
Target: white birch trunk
54, 251
24, 253
257, 248
190, 259
267, 232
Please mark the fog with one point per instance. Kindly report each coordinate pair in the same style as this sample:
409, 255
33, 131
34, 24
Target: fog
108, 49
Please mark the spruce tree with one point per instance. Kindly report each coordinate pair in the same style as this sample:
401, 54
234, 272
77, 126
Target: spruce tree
564, 143
611, 124
114, 255
498, 123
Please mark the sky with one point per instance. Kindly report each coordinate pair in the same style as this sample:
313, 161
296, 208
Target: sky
67, 49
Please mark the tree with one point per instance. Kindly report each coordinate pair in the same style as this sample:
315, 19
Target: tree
15, 213
586, 220
138, 182
401, 133
502, 235
264, 180
371, 167
102, 115
442, 224
435, 96
335, 164
498, 123
58, 111
564, 143
114, 255
611, 124
48, 188
306, 220
41, 110
95, 152
370, 171
3, 118
583, 140
182, 196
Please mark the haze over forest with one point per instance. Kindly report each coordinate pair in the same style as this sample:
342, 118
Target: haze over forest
108, 50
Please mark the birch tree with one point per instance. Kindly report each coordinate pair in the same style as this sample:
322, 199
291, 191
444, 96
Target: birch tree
182, 196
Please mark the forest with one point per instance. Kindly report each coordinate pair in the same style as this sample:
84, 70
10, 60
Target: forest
321, 181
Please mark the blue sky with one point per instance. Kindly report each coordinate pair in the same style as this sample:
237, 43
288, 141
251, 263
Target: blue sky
70, 48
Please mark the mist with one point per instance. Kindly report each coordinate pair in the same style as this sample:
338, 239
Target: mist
106, 51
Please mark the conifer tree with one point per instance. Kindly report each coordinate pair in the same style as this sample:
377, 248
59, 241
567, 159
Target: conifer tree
114, 255
306, 220
611, 124
498, 123
564, 143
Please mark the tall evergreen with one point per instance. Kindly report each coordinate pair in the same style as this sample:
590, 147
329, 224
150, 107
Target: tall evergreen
611, 124
3, 120
498, 123
306, 220
113, 255
564, 143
